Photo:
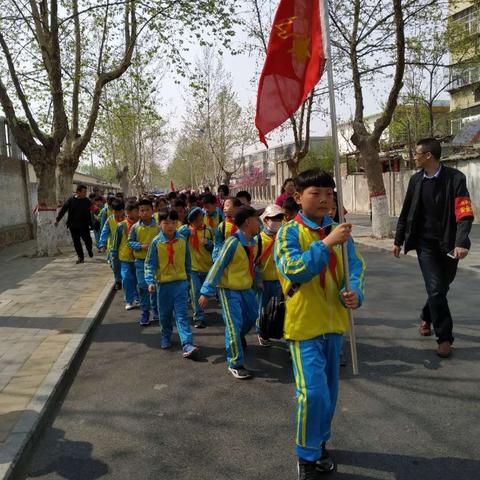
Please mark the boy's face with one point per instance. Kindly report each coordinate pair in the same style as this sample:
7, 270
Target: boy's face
252, 226
290, 188
181, 213
145, 213
119, 214
228, 208
198, 221
244, 201
169, 227
316, 202
99, 203
210, 208
133, 215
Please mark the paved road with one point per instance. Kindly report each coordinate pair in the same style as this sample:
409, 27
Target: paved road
135, 412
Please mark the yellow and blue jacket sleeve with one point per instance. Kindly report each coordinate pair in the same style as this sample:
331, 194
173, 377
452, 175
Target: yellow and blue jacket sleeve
188, 260
184, 231
117, 238
132, 239
293, 263
151, 262
103, 217
102, 242
357, 267
219, 241
215, 273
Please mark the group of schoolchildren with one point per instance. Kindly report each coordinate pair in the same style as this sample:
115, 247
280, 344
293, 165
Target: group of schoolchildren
180, 249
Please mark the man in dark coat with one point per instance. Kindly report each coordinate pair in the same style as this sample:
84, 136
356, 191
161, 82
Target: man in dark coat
79, 221
436, 220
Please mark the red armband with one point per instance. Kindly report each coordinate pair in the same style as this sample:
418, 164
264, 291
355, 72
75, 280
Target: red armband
463, 208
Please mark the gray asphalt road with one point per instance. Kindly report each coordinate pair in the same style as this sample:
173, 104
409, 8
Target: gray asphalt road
135, 412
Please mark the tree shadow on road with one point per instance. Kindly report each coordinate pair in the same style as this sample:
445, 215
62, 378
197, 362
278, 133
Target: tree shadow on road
367, 465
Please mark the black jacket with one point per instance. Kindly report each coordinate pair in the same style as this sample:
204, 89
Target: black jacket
457, 216
78, 209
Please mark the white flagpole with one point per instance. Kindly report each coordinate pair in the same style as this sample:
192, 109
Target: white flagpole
338, 178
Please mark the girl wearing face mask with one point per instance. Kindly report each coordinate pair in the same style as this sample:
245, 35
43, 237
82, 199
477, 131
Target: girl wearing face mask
272, 220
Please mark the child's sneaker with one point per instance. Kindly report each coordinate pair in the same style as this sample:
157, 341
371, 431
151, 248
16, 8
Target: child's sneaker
307, 470
264, 342
240, 372
136, 303
165, 342
145, 318
189, 350
326, 464
200, 324
129, 306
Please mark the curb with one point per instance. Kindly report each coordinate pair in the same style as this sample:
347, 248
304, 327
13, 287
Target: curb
22, 438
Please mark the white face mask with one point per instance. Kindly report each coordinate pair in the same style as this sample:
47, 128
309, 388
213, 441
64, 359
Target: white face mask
274, 226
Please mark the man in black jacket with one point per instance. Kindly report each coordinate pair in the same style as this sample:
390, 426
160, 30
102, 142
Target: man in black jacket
79, 221
435, 221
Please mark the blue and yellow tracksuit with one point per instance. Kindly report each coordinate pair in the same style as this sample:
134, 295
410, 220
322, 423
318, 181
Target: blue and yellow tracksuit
201, 263
268, 273
105, 213
234, 275
167, 266
224, 231
124, 253
213, 220
106, 240
315, 322
141, 234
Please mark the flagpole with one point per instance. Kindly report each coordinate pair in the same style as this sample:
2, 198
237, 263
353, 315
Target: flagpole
338, 177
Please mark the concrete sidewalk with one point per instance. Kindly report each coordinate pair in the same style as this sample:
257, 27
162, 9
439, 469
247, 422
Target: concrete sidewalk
47, 306
362, 233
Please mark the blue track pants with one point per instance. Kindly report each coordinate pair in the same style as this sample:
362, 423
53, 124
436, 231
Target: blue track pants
115, 266
196, 282
147, 302
129, 281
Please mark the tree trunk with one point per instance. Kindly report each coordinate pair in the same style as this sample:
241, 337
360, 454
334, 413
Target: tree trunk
64, 182
122, 178
376, 187
47, 209
293, 167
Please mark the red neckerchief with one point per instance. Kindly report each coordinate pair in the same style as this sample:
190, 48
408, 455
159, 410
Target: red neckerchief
332, 262
267, 250
211, 218
251, 260
194, 241
171, 251
234, 228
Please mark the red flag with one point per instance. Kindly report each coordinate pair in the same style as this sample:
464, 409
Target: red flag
294, 63
172, 186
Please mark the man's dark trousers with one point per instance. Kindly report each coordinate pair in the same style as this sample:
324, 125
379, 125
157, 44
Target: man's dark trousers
438, 271
77, 235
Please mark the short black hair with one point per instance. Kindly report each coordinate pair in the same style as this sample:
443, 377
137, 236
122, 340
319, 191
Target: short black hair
284, 184
209, 198
119, 194
236, 201
80, 187
314, 177
161, 200
431, 145
178, 202
118, 205
243, 214
98, 199
172, 195
224, 188
145, 201
167, 215
192, 198
244, 194
131, 206
92, 196
290, 204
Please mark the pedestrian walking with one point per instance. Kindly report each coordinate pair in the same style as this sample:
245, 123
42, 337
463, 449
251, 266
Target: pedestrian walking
79, 221
436, 220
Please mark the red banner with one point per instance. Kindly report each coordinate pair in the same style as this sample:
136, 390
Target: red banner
294, 64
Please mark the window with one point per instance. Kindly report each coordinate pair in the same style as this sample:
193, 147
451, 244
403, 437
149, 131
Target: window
463, 75
470, 18
477, 94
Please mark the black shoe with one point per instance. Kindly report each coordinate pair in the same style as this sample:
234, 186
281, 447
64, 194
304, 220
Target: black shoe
307, 470
90, 253
343, 360
326, 464
244, 343
118, 286
200, 324
80, 260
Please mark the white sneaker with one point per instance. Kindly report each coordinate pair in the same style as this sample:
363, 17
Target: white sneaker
136, 303
129, 306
